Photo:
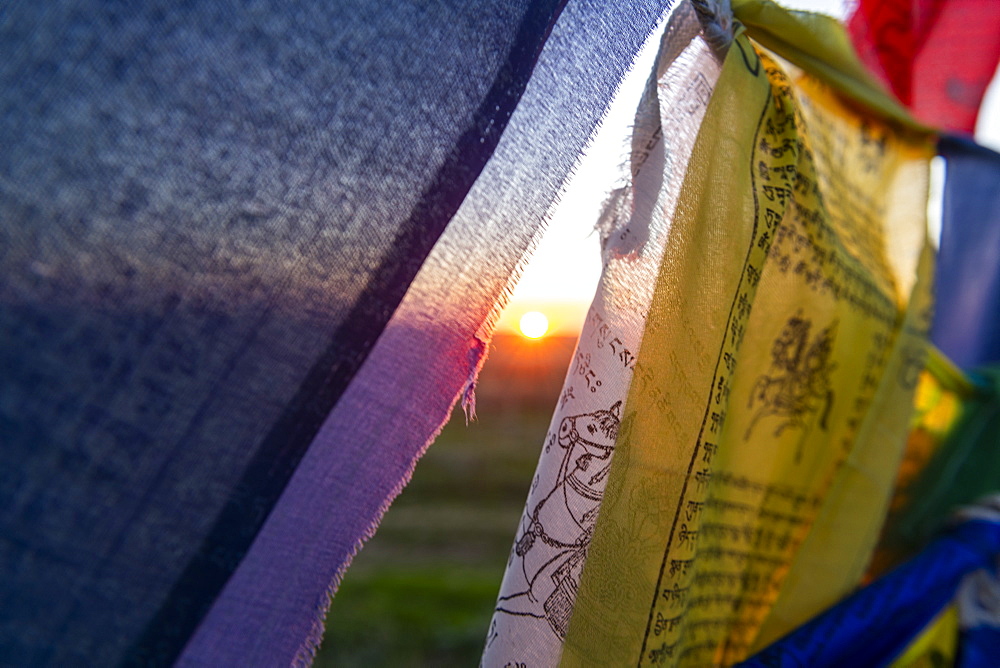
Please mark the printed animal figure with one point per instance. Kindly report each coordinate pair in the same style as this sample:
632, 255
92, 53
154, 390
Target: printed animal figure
798, 383
554, 536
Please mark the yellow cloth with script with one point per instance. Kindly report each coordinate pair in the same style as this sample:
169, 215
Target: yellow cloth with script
773, 390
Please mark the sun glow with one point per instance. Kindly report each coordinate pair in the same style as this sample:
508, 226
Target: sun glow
534, 324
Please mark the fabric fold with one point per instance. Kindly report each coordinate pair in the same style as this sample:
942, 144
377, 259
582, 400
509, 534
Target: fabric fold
536, 599
751, 473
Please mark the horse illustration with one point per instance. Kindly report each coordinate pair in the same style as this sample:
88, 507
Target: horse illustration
798, 383
554, 536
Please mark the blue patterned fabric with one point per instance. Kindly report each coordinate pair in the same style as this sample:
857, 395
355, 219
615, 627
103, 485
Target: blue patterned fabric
874, 625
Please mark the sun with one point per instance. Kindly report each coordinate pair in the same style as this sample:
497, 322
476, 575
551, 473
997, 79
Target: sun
534, 324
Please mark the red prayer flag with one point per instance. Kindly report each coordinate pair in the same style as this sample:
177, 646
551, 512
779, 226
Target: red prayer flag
937, 56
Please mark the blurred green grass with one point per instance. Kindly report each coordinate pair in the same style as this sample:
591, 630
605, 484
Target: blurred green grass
422, 591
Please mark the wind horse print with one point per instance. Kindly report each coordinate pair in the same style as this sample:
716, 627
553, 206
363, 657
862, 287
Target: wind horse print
797, 386
552, 543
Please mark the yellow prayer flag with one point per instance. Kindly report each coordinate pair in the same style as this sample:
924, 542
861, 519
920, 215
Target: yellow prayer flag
773, 389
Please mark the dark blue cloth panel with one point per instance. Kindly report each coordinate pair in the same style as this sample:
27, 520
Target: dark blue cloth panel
966, 323
871, 627
979, 647
208, 211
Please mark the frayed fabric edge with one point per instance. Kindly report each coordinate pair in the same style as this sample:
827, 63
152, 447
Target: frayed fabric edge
478, 353
307, 651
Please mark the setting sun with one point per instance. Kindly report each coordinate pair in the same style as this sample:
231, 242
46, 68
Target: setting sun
534, 325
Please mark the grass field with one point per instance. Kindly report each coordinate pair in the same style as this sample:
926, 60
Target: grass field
422, 591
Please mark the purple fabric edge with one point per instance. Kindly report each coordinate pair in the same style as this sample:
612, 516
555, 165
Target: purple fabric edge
271, 611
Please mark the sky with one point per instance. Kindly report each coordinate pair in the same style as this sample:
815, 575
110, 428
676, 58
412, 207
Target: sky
562, 275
